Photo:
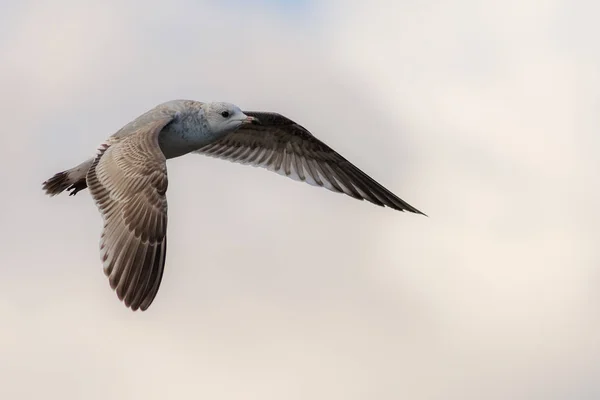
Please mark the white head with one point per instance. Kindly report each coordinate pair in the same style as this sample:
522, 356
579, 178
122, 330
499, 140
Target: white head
225, 117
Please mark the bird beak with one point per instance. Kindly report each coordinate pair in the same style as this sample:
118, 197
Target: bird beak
251, 121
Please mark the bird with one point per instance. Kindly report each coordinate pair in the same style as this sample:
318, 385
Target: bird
127, 178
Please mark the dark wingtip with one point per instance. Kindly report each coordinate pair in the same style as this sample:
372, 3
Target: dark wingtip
415, 211
410, 209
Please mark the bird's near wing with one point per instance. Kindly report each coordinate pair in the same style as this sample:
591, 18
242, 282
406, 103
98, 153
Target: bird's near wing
128, 181
281, 145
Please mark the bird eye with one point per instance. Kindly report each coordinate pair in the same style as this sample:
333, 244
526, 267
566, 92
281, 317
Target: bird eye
225, 114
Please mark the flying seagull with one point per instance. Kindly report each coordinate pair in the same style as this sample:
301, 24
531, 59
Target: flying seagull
128, 178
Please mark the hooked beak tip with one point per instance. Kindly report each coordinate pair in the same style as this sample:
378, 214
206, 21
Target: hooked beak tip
251, 121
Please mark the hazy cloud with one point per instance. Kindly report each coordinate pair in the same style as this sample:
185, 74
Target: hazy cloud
483, 115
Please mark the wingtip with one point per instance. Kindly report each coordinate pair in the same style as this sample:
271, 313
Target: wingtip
415, 211
407, 208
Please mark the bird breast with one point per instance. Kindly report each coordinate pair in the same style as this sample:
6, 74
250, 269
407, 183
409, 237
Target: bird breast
184, 136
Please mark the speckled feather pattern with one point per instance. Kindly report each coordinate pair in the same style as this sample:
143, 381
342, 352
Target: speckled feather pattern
128, 179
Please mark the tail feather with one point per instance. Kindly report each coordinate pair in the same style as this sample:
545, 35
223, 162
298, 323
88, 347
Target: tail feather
72, 180
57, 184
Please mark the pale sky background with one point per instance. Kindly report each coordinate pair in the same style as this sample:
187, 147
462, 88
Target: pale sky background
483, 114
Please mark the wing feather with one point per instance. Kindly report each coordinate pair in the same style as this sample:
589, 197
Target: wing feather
128, 181
281, 145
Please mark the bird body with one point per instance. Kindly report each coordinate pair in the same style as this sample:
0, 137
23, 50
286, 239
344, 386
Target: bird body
128, 178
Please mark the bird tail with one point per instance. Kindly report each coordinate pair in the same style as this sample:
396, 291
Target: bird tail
72, 179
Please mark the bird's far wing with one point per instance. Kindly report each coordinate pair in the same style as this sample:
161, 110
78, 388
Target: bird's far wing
128, 181
281, 145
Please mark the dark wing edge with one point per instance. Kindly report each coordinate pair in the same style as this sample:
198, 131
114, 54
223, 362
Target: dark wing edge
281, 145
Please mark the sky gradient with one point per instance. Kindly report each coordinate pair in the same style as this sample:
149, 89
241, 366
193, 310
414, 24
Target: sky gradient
483, 115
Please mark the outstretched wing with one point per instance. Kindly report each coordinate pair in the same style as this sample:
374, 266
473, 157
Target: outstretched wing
281, 145
128, 181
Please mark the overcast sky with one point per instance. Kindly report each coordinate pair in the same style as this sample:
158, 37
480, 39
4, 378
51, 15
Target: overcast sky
482, 114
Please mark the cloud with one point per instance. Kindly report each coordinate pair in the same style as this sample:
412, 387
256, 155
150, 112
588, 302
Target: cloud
482, 116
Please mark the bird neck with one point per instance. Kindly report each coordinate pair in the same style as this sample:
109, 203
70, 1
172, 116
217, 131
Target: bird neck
185, 134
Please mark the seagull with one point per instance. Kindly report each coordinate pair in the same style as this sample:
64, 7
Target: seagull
127, 178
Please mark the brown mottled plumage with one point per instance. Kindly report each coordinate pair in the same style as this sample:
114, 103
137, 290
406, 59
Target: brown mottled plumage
128, 179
